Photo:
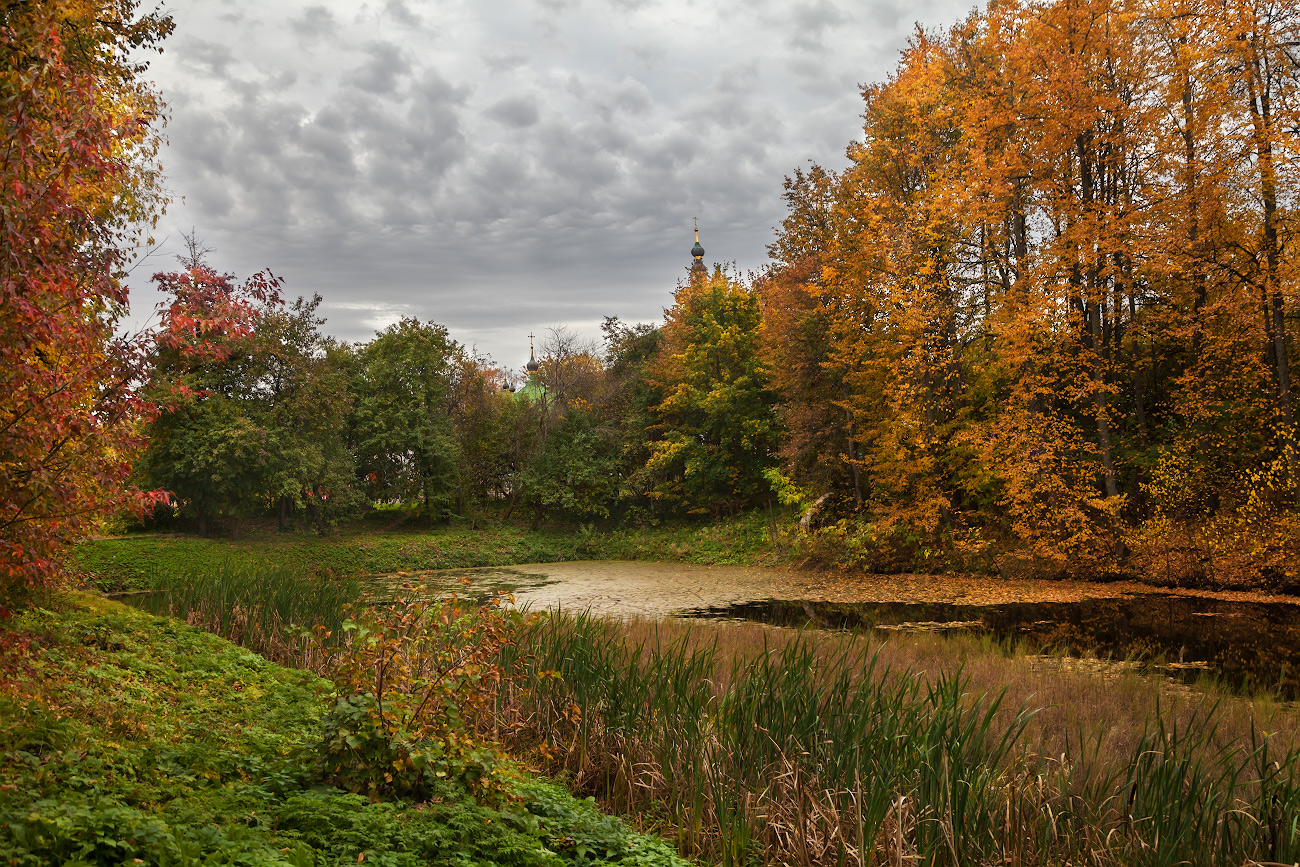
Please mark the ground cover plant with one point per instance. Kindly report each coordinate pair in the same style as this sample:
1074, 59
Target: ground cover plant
131, 739
754, 744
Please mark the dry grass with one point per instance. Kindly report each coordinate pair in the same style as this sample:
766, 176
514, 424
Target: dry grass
753, 744
1112, 700
749, 741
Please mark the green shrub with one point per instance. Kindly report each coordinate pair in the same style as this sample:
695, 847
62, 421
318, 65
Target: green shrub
417, 682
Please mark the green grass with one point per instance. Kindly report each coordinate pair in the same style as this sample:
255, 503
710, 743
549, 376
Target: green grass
148, 560
131, 739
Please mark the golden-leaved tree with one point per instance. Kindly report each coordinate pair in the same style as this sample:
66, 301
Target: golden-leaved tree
1059, 272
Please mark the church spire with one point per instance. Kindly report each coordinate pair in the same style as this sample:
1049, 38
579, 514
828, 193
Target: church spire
532, 364
697, 253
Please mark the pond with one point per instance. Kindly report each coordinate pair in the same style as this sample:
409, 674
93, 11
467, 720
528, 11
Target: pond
1247, 640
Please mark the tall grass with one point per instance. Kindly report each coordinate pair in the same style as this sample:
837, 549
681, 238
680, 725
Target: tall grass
815, 750
263, 606
754, 745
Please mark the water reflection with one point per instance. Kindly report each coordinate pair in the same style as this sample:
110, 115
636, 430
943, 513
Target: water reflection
1249, 646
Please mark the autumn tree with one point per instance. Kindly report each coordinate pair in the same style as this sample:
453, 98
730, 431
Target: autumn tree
820, 447
714, 433
1057, 275
77, 180
252, 401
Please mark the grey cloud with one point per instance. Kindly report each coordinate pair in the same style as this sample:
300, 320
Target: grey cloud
629, 96
400, 12
671, 151
210, 58
811, 20
435, 121
738, 80
558, 188
516, 111
648, 55
384, 68
353, 160
505, 61
555, 7
314, 24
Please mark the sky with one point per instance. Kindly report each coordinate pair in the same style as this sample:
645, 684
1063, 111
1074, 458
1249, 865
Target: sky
503, 166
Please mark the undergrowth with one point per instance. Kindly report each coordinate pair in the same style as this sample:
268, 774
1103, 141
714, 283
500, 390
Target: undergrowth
130, 739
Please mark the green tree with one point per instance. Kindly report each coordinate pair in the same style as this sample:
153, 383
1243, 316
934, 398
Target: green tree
213, 446
301, 379
628, 399
482, 418
575, 473
403, 432
254, 406
714, 432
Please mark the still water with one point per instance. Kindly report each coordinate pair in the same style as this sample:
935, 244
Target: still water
1247, 642
1247, 645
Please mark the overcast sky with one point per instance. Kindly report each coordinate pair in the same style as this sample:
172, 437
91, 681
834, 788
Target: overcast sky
503, 166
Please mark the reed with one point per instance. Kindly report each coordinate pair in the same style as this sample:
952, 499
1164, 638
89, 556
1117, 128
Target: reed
755, 745
815, 749
265, 607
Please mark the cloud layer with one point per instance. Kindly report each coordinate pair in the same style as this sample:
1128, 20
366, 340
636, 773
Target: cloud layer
505, 166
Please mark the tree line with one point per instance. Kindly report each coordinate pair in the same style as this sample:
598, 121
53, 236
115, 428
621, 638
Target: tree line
265, 414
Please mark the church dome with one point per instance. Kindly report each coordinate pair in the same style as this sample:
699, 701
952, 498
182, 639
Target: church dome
532, 365
697, 251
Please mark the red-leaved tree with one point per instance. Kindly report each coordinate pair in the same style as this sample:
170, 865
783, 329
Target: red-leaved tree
77, 184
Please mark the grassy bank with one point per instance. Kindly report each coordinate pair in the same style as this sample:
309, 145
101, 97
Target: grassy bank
145, 560
130, 739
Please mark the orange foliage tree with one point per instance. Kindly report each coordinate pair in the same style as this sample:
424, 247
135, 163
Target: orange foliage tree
1061, 264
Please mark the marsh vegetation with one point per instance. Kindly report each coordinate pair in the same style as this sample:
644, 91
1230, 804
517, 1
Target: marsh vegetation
744, 742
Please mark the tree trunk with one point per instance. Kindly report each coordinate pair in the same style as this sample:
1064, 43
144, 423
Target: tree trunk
1091, 310
203, 519
284, 505
1193, 219
854, 469
314, 508
1099, 398
1139, 374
